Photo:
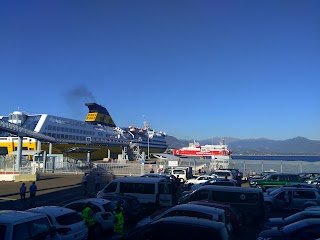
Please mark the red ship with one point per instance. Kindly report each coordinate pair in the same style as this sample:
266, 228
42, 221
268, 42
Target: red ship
195, 150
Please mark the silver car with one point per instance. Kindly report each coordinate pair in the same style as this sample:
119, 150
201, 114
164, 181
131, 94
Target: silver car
291, 198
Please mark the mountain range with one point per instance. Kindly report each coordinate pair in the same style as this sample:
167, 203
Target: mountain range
261, 146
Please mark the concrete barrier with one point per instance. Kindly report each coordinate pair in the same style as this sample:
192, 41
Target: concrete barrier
26, 177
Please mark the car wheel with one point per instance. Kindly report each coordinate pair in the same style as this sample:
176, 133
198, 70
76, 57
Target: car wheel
268, 207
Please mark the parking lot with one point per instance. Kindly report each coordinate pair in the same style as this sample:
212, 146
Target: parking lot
59, 189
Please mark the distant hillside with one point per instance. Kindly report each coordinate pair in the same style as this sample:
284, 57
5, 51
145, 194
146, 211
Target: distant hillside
294, 146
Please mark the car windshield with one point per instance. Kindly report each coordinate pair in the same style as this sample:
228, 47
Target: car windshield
69, 218
109, 207
38, 229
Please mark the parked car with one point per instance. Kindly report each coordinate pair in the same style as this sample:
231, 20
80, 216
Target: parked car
215, 181
69, 224
312, 208
309, 176
224, 174
160, 175
103, 212
303, 229
275, 180
200, 179
302, 185
279, 222
16, 225
133, 209
233, 215
291, 198
179, 228
263, 174
248, 201
238, 176
189, 210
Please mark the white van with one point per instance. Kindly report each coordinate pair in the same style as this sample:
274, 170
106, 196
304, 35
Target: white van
146, 189
183, 173
16, 225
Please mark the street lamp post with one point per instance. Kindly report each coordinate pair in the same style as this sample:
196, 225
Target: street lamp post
148, 145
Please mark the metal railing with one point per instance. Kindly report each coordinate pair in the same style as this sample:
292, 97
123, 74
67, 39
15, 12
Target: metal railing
137, 169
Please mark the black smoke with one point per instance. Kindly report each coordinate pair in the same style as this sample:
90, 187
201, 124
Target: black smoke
76, 99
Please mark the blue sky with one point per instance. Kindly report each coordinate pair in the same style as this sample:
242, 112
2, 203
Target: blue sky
194, 69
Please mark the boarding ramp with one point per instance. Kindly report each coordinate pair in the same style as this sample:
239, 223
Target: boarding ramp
23, 132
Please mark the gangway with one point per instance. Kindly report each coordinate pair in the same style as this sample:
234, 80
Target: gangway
23, 132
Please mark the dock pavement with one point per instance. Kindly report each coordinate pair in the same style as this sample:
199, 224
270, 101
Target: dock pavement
52, 189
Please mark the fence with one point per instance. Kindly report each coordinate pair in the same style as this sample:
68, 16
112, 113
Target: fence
137, 169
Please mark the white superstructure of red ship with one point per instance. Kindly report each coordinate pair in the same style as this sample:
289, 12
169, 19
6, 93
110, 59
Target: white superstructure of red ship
195, 149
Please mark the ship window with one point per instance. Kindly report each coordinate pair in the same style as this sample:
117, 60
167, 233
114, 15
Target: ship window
62, 129
54, 128
58, 135
49, 127
77, 137
74, 130
53, 135
58, 129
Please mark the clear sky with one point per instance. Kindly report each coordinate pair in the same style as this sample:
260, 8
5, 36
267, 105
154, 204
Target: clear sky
195, 69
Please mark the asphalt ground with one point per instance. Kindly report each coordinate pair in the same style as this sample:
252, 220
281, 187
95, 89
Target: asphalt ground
52, 189
60, 189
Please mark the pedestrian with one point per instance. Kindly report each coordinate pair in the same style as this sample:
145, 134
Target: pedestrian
97, 181
23, 191
85, 184
33, 191
151, 170
245, 175
118, 221
53, 234
88, 216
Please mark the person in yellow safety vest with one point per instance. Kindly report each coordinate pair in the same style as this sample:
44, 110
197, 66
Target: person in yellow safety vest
118, 221
88, 216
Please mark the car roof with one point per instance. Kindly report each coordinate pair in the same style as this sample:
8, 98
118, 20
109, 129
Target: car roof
139, 179
204, 175
205, 203
191, 221
294, 174
119, 195
300, 188
230, 189
220, 170
310, 213
52, 210
92, 200
301, 223
12, 216
198, 208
